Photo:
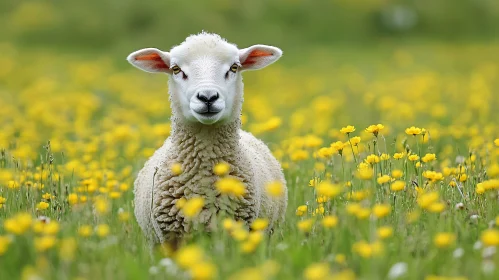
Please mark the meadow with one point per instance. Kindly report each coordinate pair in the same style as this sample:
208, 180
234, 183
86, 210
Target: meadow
391, 156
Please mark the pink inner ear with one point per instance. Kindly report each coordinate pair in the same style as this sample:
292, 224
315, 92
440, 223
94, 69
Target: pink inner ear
154, 60
254, 55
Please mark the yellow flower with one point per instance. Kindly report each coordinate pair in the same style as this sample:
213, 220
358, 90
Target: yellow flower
329, 221
313, 182
189, 256
4, 244
340, 258
397, 174
275, 189
85, 231
365, 173
101, 206
413, 130
433, 176
436, 207
429, 157
347, 129
305, 225
72, 199
381, 210
176, 169
2, 200
299, 155
444, 239
479, 189
397, 186
426, 199
383, 179
230, 185
240, 234
363, 213
338, 146
328, 190
372, 159
51, 228
375, 129
123, 216
67, 249
385, 232
355, 140
398, 155
180, 203
496, 142
259, 224
44, 243
193, 206
102, 230
18, 224
384, 156
490, 237
367, 250
301, 210
221, 168
463, 177
413, 157
46, 196
42, 205
316, 271
203, 271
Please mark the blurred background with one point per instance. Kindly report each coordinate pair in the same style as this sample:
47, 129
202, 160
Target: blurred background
294, 25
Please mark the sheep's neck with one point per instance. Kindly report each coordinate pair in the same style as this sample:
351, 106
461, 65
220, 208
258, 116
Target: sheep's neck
210, 143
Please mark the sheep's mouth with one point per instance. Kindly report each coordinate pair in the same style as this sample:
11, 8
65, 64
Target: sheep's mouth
208, 113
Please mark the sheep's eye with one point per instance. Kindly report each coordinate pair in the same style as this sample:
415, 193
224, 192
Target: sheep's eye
176, 69
234, 68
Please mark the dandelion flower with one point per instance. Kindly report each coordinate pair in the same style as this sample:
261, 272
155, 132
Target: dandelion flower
329, 221
305, 225
176, 169
347, 129
316, 271
490, 237
221, 168
381, 210
375, 129
397, 186
429, 157
413, 131
259, 224
444, 239
275, 189
385, 232
193, 206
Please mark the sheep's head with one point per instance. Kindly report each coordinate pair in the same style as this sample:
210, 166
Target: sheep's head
205, 74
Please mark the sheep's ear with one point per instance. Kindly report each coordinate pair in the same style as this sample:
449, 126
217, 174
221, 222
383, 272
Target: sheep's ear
258, 56
151, 60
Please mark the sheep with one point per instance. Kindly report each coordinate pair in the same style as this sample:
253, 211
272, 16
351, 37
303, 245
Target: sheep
206, 95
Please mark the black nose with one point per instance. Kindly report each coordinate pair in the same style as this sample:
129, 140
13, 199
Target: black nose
208, 96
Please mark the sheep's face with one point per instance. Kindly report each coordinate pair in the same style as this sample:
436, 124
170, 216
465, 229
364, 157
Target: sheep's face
205, 70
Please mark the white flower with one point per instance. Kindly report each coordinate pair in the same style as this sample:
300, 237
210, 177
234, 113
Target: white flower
474, 217
397, 270
488, 252
153, 270
488, 267
458, 253
477, 245
281, 246
459, 205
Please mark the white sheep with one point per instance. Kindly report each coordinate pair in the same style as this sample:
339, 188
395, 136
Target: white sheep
206, 95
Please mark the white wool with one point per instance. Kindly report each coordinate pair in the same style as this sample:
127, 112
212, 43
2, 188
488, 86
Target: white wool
198, 140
